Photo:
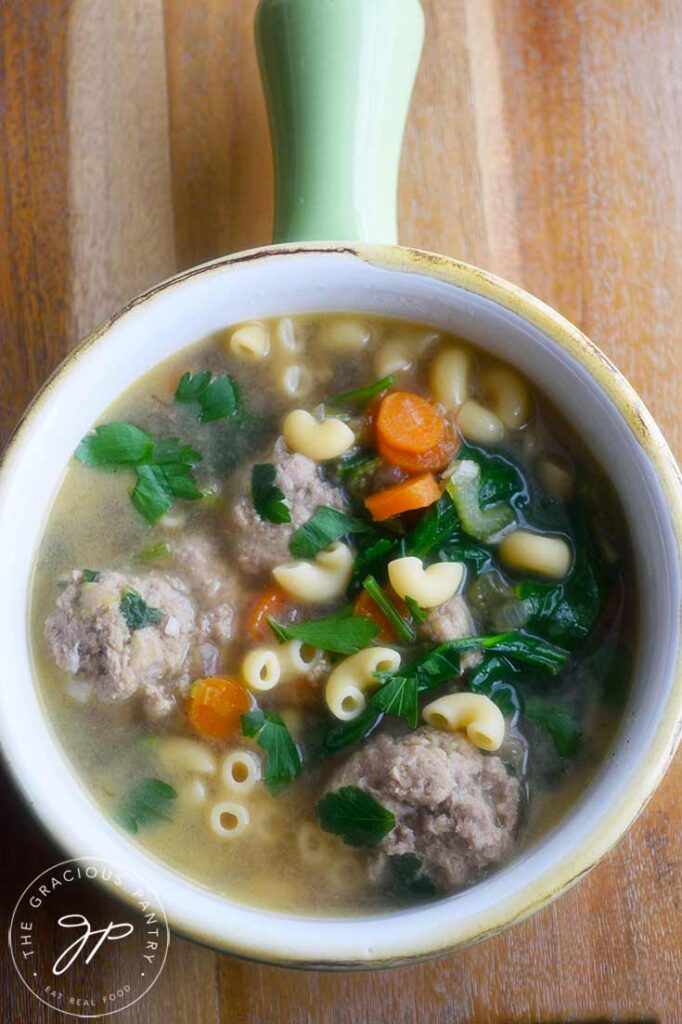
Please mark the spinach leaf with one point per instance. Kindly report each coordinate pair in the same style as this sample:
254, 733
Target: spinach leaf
501, 480
115, 444
436, 527
399, 692
361, 397
409, 876
372, 559
403, 629
341, 632
418, 613
354, 815
493, 678
136, 612
283, 761
268, 499
148, 801
562, 727
324, 527
216, 397
339, 735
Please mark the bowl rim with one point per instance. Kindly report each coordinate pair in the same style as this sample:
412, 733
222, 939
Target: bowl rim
663, 741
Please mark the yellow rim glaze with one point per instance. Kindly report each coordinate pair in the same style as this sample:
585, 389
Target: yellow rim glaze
629, 803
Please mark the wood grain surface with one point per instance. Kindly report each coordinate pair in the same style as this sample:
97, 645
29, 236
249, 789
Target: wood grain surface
544, 143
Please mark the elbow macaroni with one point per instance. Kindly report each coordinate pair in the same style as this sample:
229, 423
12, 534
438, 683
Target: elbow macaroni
228, 820
264, 667
508, 394
295, 381
449, 376
319, 441
250, 342
472, 713
180, 754
478, 424
344, 334
429, 587
321, 580
348, 681
536, 552
240, 771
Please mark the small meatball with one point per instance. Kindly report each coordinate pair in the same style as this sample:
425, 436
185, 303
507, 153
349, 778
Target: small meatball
214, 587
88, 636
450, 621
456, 808
259, 545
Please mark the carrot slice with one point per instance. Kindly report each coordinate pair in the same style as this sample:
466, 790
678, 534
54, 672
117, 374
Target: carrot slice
272, 601
365, 605
415, 492
215, 706
435, 458
409, 423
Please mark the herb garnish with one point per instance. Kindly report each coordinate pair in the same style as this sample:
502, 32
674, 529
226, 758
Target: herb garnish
562, 727
283, 761
268, 499
339, 735
90, 575
149, 800
403, 629
136, 612
341, 632
361, 397
216, 397
324, 527
354, 815
164, 469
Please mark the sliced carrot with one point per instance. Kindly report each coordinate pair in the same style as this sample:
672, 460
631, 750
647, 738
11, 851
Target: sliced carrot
272, 601
415, 492
365, 605
409, 423
435, 458
215, 706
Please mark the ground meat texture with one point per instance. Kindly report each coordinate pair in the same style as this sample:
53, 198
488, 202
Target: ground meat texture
456, 808
450, 621
213, 585
259, 545
88, 636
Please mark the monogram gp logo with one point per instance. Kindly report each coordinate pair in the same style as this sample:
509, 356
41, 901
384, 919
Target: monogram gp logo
78, 951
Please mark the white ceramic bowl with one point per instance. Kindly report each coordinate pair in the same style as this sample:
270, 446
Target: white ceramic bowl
453, 297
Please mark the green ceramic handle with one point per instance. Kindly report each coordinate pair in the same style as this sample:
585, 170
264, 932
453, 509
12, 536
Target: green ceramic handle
337, 75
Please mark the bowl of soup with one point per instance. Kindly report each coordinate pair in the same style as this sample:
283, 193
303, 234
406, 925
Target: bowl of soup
340, 595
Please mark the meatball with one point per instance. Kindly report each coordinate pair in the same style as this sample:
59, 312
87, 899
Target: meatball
89, 636
213, 586
456, 808
450, 621
260, 545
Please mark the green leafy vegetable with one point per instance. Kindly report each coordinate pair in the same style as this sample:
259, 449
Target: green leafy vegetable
372, 558
403, 629
463, 488
435, 527
283, 761
216, 397
361, 397
324, 527
530, 650
268, 499
501, 479
339, 735
493, 678
354, 815
409, 875
418, 614
115, 444
148, 801
399, 692
90, 575
341, 632
562, 727
150, 552
136, 612
164, 470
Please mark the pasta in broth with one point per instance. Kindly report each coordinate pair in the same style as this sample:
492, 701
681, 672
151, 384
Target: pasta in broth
355, 579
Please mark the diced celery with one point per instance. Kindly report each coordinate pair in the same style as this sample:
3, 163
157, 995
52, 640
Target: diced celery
462, 486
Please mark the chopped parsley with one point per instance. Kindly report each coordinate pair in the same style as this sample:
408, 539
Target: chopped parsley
216, 397
136, 612
148, 801
268, 499
324, 527
341, 632
283, 761
354, 815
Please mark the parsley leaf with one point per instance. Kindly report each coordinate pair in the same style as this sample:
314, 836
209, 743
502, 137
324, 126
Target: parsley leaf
149, 800
562, 727
354, 815
409, 875
341, 632
324, 527
399, 693
217, 397
283, 761
268, 499
90, 575
115, 444
339, 735
136, 612
361, 397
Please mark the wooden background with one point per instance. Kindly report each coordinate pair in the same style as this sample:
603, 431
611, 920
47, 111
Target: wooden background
544, 143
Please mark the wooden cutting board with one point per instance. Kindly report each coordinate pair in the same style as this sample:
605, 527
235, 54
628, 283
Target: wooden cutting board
544, 144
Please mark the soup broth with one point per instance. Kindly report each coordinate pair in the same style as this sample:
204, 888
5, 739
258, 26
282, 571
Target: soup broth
247, 657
